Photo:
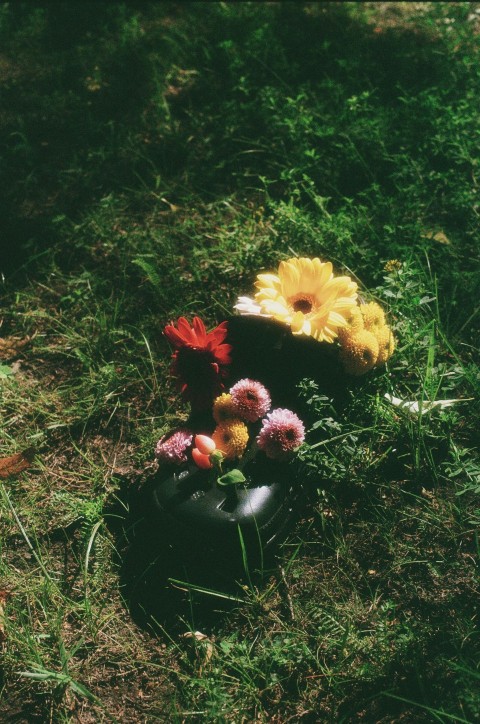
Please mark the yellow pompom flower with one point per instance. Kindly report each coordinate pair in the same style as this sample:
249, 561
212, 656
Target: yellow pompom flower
354, 320
231, 437
223, 408
386, 344
373, 316
393, 265
307, 297
359, 352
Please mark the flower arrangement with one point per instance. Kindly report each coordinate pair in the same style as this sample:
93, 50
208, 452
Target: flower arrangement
246, 425
230, 427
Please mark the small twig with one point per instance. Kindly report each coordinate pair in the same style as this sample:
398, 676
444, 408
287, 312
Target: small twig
287, 593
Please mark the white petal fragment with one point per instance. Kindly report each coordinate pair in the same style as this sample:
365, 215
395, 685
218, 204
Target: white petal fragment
427, 405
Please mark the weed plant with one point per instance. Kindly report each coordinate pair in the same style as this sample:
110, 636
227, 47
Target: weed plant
154, 158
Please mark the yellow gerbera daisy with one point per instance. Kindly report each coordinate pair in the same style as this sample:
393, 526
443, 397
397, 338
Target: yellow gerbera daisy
373, 316
308, 297
359, 352
386, 344
223, 408
231, 437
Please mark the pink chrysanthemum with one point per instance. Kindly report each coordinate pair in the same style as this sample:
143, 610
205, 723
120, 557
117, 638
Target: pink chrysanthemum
250, 400
282, 432
172, 448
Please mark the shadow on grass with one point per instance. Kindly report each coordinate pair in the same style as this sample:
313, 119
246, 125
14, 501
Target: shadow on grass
154, 566
98, 102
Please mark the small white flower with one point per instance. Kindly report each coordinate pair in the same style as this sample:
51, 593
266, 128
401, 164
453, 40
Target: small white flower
246, 305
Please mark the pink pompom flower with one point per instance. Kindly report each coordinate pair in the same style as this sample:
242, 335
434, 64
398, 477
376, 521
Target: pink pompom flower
173, 447
282, 432
250, 400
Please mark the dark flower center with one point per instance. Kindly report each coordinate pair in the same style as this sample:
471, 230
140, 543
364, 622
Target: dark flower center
302, 305
194, 365
199, 375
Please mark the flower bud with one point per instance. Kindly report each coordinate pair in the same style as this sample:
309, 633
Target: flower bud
202, 460
204, 444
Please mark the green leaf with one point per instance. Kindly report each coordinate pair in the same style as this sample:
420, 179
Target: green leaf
232, 478
5, 371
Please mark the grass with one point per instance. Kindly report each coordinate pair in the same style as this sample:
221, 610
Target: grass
154, 158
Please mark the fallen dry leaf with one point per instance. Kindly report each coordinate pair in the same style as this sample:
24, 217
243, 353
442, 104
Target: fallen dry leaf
197, 635
11, 346
439, 236
207, 646
15, 464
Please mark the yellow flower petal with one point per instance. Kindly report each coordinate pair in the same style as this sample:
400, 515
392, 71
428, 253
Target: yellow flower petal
267, 293
323, 271
275, 308
267, 280
307, 275
296, 324
345, 304
300, 325
336, 319
289, 277
318, 323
